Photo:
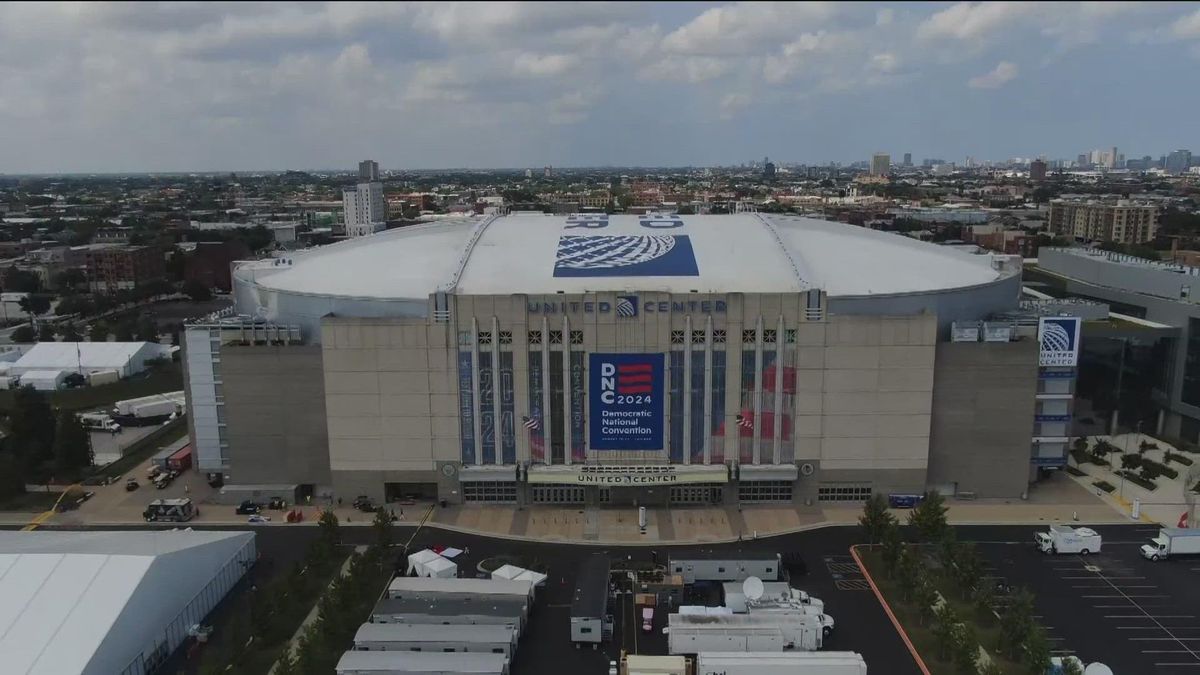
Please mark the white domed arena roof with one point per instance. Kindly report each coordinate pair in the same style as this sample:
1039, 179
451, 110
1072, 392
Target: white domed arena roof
545, 254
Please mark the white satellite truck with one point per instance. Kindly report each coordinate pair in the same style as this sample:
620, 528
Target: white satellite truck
1067, 539
1172, 541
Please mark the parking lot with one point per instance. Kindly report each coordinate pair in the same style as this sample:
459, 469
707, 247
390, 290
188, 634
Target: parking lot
1115, 607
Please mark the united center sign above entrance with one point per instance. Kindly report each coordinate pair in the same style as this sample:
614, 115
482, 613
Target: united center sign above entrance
608, 475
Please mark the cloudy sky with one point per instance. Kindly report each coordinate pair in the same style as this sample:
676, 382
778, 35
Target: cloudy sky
219, 86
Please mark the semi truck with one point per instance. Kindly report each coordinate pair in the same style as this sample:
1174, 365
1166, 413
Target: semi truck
1172, 541
98, 421
148, 410
1067, 539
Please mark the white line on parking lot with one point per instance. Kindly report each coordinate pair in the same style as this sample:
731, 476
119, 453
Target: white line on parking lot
1180, 640
1149, 616
1124, 595
1158, 627
1178, 665
1093, 576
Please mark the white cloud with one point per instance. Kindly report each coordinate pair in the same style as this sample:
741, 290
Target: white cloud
573, 107
732, 104
1004, 72
1186, 27
543, 65
743, 28
971, 21
691, 69
884, 63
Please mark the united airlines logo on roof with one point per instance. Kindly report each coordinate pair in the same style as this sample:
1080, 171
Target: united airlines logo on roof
626, 255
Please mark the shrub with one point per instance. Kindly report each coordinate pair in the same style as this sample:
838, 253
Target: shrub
1147, 445
1104, 485
1073, 471
1081, 456
1131, 461
1176, 457
1137, 480
1159, 469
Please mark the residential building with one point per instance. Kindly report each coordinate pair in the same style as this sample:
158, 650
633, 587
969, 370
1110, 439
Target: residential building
368, 171
365, 209
881, 164
1123, 222
768, 169
113, 267
908, 159
1037, 170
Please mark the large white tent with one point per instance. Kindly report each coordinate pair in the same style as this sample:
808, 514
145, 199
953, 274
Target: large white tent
127, 358
98, 603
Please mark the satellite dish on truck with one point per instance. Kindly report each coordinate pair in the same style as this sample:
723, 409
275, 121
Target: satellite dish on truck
1097, 669
752, 588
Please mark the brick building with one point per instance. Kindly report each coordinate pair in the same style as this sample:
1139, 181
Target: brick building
112, 267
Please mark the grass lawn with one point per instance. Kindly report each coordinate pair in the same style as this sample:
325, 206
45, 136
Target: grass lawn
31, 502
922, 636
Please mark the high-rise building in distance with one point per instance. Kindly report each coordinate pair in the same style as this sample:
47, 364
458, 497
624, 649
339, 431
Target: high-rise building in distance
881, 163
368, 170
768, 168
1178, 162
1123, 222
1037, 170
908, 159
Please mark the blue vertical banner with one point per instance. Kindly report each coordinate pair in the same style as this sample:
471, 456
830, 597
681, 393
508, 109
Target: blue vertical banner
626, 401
487, 415
466, 408
717, 450
535, 423
696, 423
508, 425
675, 437
577, 407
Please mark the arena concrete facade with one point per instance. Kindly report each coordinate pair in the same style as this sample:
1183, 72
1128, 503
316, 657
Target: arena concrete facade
656, 359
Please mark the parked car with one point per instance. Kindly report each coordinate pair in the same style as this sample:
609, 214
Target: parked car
363, 503
248, 507
258, 518
131, 485
163, 480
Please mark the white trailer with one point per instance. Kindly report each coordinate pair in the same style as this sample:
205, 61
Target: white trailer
356, 662
433, 588
791, 663
451, 611
800, 631
127, 407
725, 567
696, 639
634, 664
1067, 539
404, 637
774, 592
1172, 541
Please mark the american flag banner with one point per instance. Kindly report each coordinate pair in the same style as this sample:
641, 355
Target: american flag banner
532, 423
745, 422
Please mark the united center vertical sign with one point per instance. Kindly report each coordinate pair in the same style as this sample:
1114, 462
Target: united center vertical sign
626, 401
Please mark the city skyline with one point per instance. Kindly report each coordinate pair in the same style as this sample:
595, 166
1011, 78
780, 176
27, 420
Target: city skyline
134, 88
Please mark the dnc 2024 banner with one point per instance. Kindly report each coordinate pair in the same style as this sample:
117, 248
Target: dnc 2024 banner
625, 392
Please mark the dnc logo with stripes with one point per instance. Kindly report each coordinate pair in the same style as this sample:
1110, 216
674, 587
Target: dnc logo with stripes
626, 255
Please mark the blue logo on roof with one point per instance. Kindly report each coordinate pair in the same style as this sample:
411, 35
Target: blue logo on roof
635, 255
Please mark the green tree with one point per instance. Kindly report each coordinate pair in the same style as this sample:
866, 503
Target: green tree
147, 330
945, 627
98, 332
330, 536
286, 665
1016, 622
34, 304
926, 596
929, 517
968, 568
1036, 654
124, 331
46, 333
197, 290
990, 668
876, 518
70, 332
12, 476
383, 533
1130, 461
72, 447
892, 548
983, 598
908, 572
23, 335
70, 278
1072, 666
1103, 449
32, 424
21, 281
965, 651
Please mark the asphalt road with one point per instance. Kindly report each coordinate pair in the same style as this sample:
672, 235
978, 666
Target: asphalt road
1076, 623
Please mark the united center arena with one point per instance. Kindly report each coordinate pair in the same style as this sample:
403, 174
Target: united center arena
622, 359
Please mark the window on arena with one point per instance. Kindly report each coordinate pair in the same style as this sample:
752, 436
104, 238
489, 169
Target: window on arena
765, 491
506, 337
843, 492
576, 337
464, 338
485, 337
790, 336
719, 336
535, 337
556, 337
749, 336
769, 336
677, 337
697, 337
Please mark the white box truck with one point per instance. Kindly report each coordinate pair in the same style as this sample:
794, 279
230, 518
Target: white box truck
1172, 541
782, 663
1067, 539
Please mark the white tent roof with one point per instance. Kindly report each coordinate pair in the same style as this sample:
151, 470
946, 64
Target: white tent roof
416, 561
535, 578
88, 602
91, 355
507, 572
441, 568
